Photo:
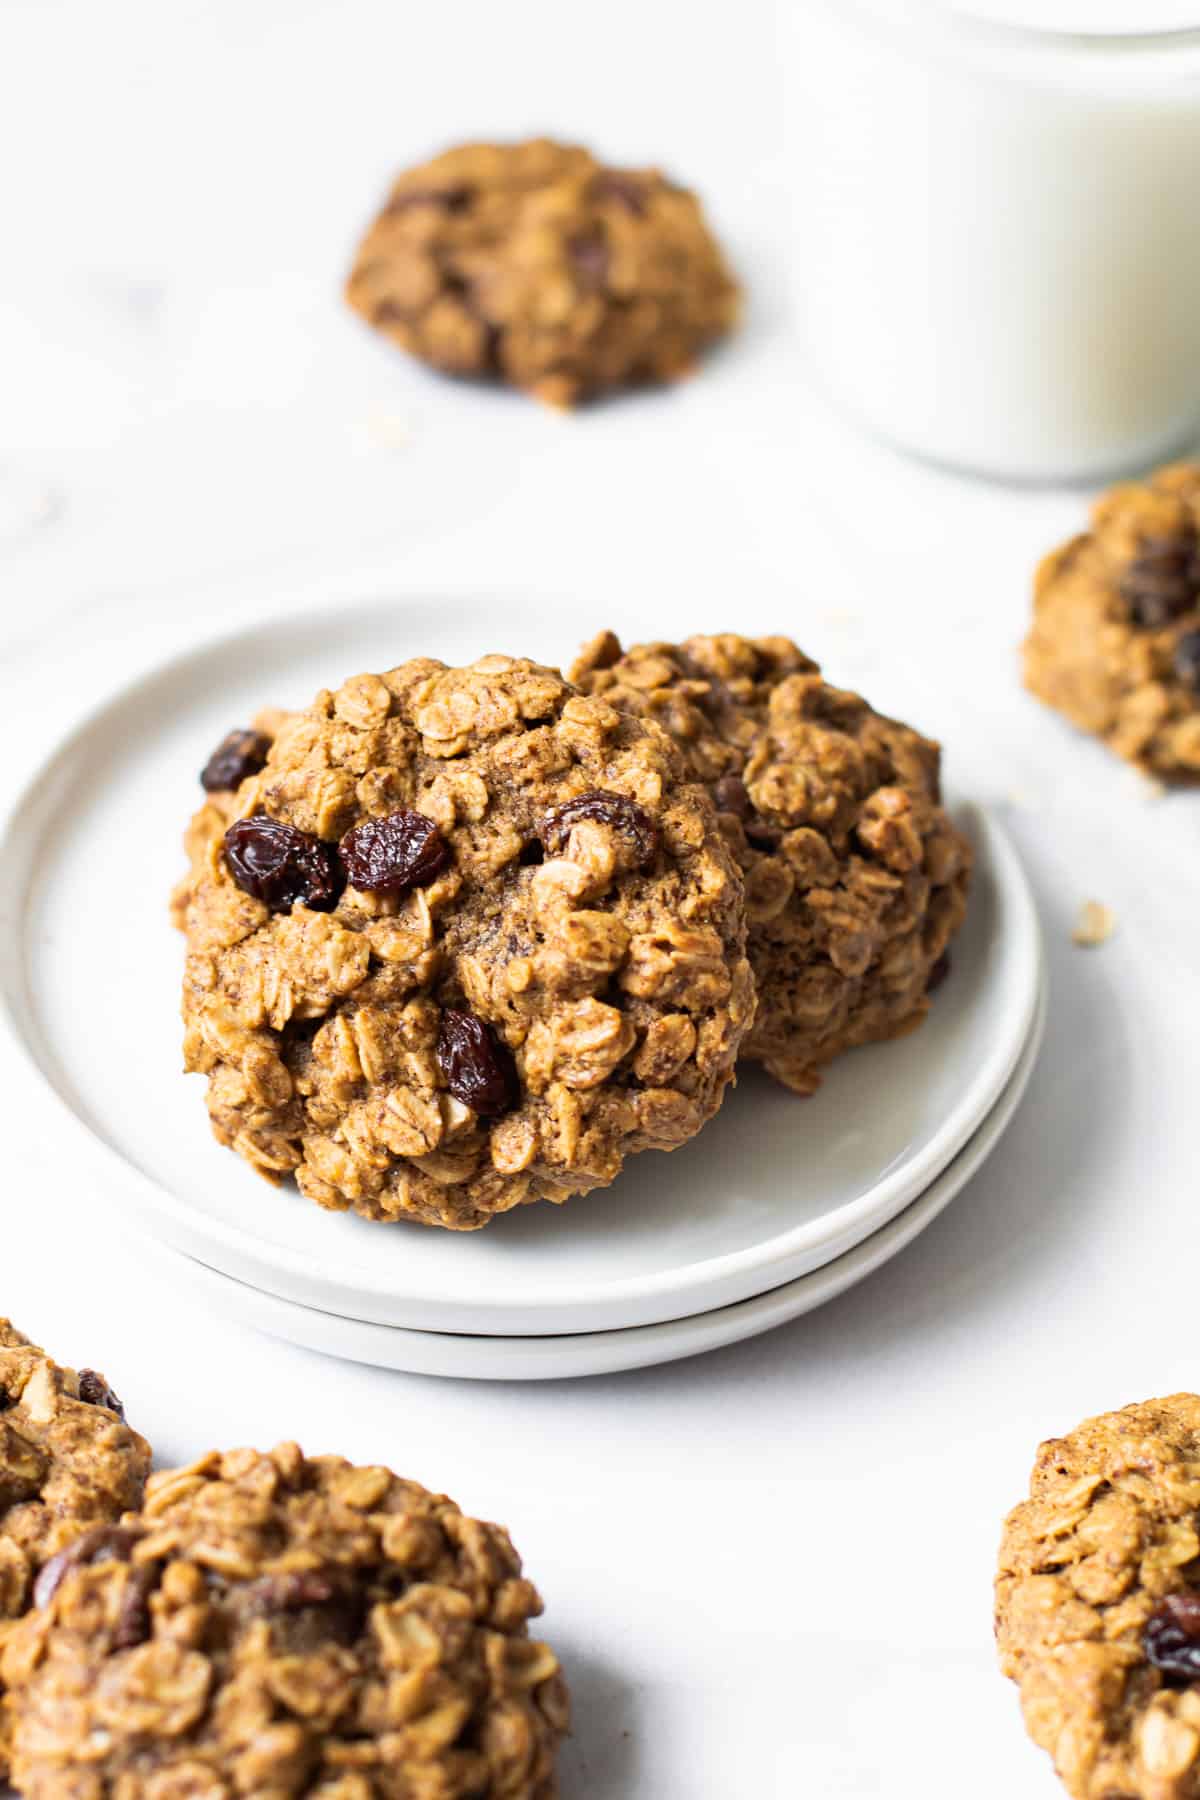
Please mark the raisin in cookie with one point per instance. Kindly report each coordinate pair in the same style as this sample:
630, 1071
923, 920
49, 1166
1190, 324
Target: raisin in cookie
281, 1625
1115, 643
535, 264
469, 940
855, 878
68, 1462
1098, 1603
240, 754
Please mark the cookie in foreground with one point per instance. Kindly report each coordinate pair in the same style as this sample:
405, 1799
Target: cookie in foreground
282, 1625
1098, 1603
69, 1465
1115, 643
856, 878
466, 939
536, 265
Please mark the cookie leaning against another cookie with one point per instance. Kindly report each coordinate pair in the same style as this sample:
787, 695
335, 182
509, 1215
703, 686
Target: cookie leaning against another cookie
68, 1464
536, 264
1115, 643
470, 940
1098, 1603
856, 880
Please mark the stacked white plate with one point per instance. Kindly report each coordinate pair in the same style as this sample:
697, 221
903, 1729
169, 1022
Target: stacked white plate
780, 1204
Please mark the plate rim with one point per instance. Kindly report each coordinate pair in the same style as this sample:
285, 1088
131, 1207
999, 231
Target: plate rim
690, 1287
671, 1340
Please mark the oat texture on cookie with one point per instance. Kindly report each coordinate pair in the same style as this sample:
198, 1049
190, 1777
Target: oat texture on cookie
69, 1465
1098, 1603
535, 264
1115, 642
468, 938
281, 1625
856, 878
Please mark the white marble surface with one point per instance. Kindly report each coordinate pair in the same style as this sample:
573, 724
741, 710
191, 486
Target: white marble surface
768, 1569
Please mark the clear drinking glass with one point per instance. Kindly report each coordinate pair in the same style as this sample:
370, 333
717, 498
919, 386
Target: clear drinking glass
999, 259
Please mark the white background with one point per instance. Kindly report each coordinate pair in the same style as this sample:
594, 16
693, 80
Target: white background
768, 1571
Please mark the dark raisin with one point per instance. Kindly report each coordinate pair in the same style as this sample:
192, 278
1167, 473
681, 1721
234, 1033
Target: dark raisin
95, 1391
477, 1068
308, 1608
133, 1614
281, 866
589, 259
493, 339
237, 756
1171, 1638
103, 1543
289, 1592
1162, 581
762, 834
617, 810
394, 854
1187, 660
731, 795
938, 972
628, 191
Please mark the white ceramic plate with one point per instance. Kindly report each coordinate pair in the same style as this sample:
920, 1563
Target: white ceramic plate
776, 1188
604, 1352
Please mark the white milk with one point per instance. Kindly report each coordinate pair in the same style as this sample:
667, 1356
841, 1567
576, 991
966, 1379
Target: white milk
1000, 244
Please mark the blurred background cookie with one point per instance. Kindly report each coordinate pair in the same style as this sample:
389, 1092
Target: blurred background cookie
536, 265
1115, 643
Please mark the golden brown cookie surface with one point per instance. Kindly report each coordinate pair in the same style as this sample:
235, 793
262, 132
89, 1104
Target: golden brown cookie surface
535, 264
499, 946
1115, 643
855, 877
1098, 1604
281, 1625
68, 1463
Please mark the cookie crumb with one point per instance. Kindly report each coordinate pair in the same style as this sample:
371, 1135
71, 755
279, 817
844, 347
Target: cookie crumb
387, 431
1095, 925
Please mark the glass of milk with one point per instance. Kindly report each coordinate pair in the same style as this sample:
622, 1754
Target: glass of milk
1000, 203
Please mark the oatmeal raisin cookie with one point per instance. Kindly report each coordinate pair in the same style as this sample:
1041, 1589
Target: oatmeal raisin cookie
68, 1463
856, 879
275, 1625
1098, 1603
1115, 643
468, 939
535, 264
